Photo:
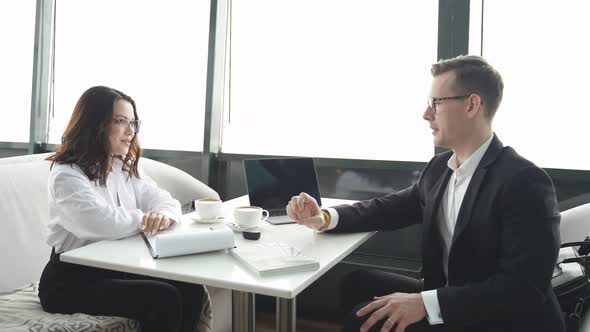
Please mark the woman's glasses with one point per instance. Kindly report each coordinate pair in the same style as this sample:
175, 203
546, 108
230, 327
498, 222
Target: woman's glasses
126, 123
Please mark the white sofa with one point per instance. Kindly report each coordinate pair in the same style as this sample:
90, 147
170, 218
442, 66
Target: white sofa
575, 223
24, 253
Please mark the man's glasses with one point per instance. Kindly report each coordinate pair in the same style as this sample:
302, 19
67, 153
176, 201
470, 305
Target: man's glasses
126, 123
432, 101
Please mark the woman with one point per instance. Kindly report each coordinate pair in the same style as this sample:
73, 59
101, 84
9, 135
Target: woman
96, 193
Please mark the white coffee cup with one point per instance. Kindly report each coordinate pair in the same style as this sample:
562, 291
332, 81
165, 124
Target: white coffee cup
208, 208
249, 216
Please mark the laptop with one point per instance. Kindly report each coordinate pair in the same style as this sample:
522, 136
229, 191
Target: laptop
272, 182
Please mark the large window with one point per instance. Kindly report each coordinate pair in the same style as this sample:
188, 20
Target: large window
333, 78
542, 55
17, 37
155, 51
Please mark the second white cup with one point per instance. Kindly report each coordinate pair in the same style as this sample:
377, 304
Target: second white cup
249, 216
208, 208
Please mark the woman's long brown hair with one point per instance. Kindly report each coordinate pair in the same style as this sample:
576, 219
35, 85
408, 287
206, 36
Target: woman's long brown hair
85, 140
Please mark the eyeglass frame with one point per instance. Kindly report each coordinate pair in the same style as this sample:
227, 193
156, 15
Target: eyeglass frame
120, 120
433, 100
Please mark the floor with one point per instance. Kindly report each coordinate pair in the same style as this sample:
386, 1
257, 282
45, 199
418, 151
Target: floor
265, 322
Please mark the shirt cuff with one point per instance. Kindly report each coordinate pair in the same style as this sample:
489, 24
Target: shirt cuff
333, 218
430, 299
137, 216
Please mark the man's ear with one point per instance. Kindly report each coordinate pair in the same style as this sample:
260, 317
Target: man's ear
474, 105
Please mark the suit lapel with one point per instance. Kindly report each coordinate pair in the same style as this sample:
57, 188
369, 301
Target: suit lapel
474, 187
435, 196
431, 241
468, 201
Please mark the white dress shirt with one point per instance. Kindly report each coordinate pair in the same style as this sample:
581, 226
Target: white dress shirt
82, 212
449, 209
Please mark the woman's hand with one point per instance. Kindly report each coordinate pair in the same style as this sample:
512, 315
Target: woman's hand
152, 222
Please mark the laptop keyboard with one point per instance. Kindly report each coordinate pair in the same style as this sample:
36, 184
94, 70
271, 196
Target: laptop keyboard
277, 213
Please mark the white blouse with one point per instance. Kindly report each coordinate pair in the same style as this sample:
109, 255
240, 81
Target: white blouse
82, 212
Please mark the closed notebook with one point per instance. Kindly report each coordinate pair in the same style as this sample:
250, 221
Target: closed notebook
186, 239
271, 258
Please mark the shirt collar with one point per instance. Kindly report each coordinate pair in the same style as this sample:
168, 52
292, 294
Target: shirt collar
117, 165
469, 166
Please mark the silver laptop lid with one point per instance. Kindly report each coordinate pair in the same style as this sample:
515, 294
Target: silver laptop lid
272, 182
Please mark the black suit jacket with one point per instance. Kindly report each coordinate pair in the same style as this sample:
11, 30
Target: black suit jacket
504, 247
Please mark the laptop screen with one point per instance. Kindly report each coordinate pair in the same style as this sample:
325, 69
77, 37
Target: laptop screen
272, 182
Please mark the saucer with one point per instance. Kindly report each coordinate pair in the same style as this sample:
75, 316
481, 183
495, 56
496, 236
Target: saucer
237, 228
208, 221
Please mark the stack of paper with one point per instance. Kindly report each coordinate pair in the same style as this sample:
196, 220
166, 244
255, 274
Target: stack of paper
270, 258
184, 240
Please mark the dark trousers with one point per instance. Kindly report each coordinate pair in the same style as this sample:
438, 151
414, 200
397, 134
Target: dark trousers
158, 304
358, 289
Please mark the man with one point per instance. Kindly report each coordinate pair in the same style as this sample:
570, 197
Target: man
489, 217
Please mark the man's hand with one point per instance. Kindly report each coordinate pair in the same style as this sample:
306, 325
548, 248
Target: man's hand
401, 309
152, 222
305, 210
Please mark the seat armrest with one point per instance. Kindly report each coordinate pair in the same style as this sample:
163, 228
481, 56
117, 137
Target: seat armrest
575, 223
178, 183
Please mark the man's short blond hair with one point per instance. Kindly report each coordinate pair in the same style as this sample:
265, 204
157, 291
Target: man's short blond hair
474, 75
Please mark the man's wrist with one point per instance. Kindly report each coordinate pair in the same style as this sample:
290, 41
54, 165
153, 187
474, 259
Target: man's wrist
430, 301
327, 220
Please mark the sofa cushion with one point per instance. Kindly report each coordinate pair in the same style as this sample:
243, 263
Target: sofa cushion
20, 311
24, 211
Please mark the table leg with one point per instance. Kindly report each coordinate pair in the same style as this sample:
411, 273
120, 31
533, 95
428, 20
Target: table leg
286, 315
243, 312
